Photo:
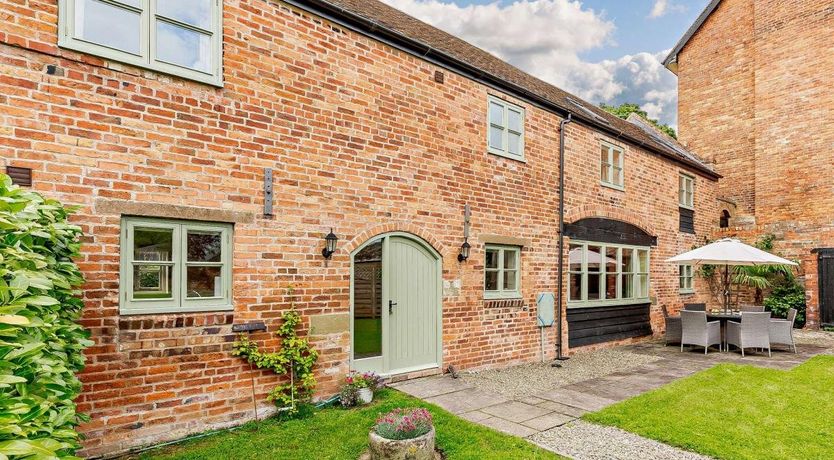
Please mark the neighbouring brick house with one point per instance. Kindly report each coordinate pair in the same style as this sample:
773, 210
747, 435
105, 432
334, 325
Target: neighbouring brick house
362, 120
754, 81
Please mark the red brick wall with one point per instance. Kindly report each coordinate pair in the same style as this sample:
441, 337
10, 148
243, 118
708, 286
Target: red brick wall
361, 139
754, 88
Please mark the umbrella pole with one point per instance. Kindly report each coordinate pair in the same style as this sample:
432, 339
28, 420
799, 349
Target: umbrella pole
726, 287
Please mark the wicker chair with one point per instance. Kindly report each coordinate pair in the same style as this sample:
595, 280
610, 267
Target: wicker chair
752, 308
752, 332
673, 327
695, 330
695, 307
781, 330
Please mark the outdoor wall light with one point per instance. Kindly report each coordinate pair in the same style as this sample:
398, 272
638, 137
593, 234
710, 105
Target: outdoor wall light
329, 244
464, 250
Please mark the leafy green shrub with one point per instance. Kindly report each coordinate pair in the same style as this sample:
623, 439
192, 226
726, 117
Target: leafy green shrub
40, 339
784, 297
295, 359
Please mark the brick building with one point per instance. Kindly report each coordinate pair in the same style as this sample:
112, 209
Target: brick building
754, 97
170, 131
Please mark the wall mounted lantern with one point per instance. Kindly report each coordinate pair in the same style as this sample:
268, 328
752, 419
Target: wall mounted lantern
329, 244
464, 250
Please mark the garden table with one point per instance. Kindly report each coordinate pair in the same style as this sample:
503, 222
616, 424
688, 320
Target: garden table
724, 317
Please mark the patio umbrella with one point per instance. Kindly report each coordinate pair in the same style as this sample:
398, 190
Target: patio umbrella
728, 252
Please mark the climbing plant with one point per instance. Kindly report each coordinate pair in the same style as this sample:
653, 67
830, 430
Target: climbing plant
40, 339
295, 359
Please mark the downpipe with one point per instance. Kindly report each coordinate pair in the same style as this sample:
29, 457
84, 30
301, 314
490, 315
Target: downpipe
561, 252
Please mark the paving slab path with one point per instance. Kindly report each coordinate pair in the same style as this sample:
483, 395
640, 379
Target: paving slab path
550, 418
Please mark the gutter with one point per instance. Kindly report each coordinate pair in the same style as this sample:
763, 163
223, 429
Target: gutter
390, 37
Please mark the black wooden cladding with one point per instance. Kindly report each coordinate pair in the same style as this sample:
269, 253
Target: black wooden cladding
602, 230
590, 325
20, 176
687, 221
825, 270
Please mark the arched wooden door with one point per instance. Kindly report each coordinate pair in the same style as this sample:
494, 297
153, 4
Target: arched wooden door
396, 306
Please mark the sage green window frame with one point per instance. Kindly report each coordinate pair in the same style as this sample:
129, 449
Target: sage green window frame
147, 57
612, 166
686, 191
179, 301
637, 271
686, 277
503, 251
504, 125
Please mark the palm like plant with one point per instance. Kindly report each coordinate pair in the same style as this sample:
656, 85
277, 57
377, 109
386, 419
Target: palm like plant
760, 277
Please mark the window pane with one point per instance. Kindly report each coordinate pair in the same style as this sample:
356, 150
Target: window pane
152, 281
367, 301
204, 246
593, 286
510, 258
594, 258
509, 280
610, 286
575, 258
618, 176
203, 282
491, 258
617, 158
154, 244
514, 120
108, 25
491, 281
496, 138
604, 156
180, 46
496, 114
611, 260
643, 260
514, 144
626, 262
628, 286
605, 173
194, 12
574, 286
643, 283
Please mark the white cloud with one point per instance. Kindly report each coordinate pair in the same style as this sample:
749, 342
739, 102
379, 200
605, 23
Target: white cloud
659, 8
546, 39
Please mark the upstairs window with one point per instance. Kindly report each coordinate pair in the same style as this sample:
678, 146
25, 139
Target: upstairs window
502, 272
611, 166
686, 191
182, 37
171, 266
505, 135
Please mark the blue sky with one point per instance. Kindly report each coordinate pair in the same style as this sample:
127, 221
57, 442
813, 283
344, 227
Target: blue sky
601, 50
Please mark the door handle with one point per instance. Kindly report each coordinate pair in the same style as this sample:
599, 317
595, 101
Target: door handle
391, 305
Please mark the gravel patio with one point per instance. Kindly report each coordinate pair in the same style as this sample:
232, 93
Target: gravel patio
543, 404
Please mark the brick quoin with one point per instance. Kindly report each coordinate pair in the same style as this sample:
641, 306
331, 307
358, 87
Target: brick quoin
754, 99
361, 138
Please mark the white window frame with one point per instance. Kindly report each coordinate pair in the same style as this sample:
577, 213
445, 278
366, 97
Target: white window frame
616, 172
686, 191
179, 301
634, 270
147, 57
686, 277
503, 251
504, 125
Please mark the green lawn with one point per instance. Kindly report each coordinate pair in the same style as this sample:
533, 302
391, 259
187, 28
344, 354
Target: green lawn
738, 412
367, 336
337, 433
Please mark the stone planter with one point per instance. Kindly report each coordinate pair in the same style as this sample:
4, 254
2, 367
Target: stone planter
421, 448
365, 396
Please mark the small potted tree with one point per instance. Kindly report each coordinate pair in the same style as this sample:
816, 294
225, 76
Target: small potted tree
403, 434
359, 388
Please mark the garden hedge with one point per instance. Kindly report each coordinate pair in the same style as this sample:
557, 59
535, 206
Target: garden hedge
41, 342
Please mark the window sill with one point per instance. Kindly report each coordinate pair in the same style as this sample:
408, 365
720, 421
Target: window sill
688, 208
507, 296
620, 188
501, 154
686, 292
174, 310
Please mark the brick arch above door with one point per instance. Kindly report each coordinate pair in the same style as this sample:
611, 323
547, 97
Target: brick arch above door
392, 227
